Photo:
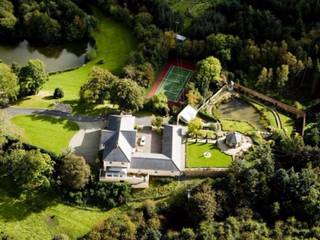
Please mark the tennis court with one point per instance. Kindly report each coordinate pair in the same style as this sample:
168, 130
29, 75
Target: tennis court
174, 82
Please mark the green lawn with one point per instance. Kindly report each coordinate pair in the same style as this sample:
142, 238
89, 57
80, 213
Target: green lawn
114, 42
196, 159
42, 217
239, 126
49, 133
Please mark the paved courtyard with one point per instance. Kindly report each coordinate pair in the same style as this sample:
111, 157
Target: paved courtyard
153, 141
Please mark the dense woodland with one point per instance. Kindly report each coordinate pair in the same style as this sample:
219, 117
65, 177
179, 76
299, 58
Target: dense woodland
43, 22
272, 46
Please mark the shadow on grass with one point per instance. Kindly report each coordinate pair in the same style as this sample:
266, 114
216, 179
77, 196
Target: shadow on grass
48, 98
80, 108
18, 208
66, 124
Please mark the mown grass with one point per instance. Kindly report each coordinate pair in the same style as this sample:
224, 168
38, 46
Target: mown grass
195, 158
43, 217
114, 42
239, 126
52, 134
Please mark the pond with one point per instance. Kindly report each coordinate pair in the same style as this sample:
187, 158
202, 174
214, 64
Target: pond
57, 57
239, 110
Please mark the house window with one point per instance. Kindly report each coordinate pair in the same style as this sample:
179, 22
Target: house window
110, 162
155, 171
122, 163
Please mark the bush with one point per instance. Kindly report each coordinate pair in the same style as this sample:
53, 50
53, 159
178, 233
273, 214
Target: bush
91, 55
58, 93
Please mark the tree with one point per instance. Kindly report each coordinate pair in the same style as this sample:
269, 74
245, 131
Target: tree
32, 77
157, 121
118, 227
95, 90
195, 126
7, 18
187, 234
26, 170
9, 87
127, 94
159, 103
143, 74
41, 27
222, 45
193, 97
75, 172
58, 93
282, 76
202, 205
208, 72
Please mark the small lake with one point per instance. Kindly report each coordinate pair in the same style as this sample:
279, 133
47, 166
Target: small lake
237, 109
56, 57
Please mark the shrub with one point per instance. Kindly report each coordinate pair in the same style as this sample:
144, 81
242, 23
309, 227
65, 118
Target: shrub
58, 93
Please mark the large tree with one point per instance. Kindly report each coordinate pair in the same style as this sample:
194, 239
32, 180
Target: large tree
195, 126
159, 103
32, 77
127, 94
26, 170
94, 91
9, 87
208, 72
7, 18
75, 172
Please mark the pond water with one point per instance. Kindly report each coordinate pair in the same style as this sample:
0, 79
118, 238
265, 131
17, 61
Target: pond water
237, 109
57, 57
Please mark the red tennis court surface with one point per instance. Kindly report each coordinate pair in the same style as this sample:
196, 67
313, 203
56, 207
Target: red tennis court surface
171, 81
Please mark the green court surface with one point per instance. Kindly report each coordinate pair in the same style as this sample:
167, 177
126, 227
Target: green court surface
174, 82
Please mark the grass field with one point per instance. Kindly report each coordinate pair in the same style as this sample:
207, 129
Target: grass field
114, 42
174, 82
239, 126
49, 133
189, 7
42, 217
195, 158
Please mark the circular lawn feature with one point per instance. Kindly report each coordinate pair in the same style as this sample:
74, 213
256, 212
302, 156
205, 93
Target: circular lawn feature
207, 154
49, 133
196, 158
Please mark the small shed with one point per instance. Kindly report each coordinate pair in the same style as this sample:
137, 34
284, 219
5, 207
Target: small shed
187, 114
234, 140
180, 37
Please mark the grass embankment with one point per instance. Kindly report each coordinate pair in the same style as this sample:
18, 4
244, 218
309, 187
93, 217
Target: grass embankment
195, 158
52, 134
114, 42
43, 217
286, 121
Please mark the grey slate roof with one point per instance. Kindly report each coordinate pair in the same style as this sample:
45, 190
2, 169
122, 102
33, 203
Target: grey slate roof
234, 138
152, 161
119, 139
121, 122
172, 144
